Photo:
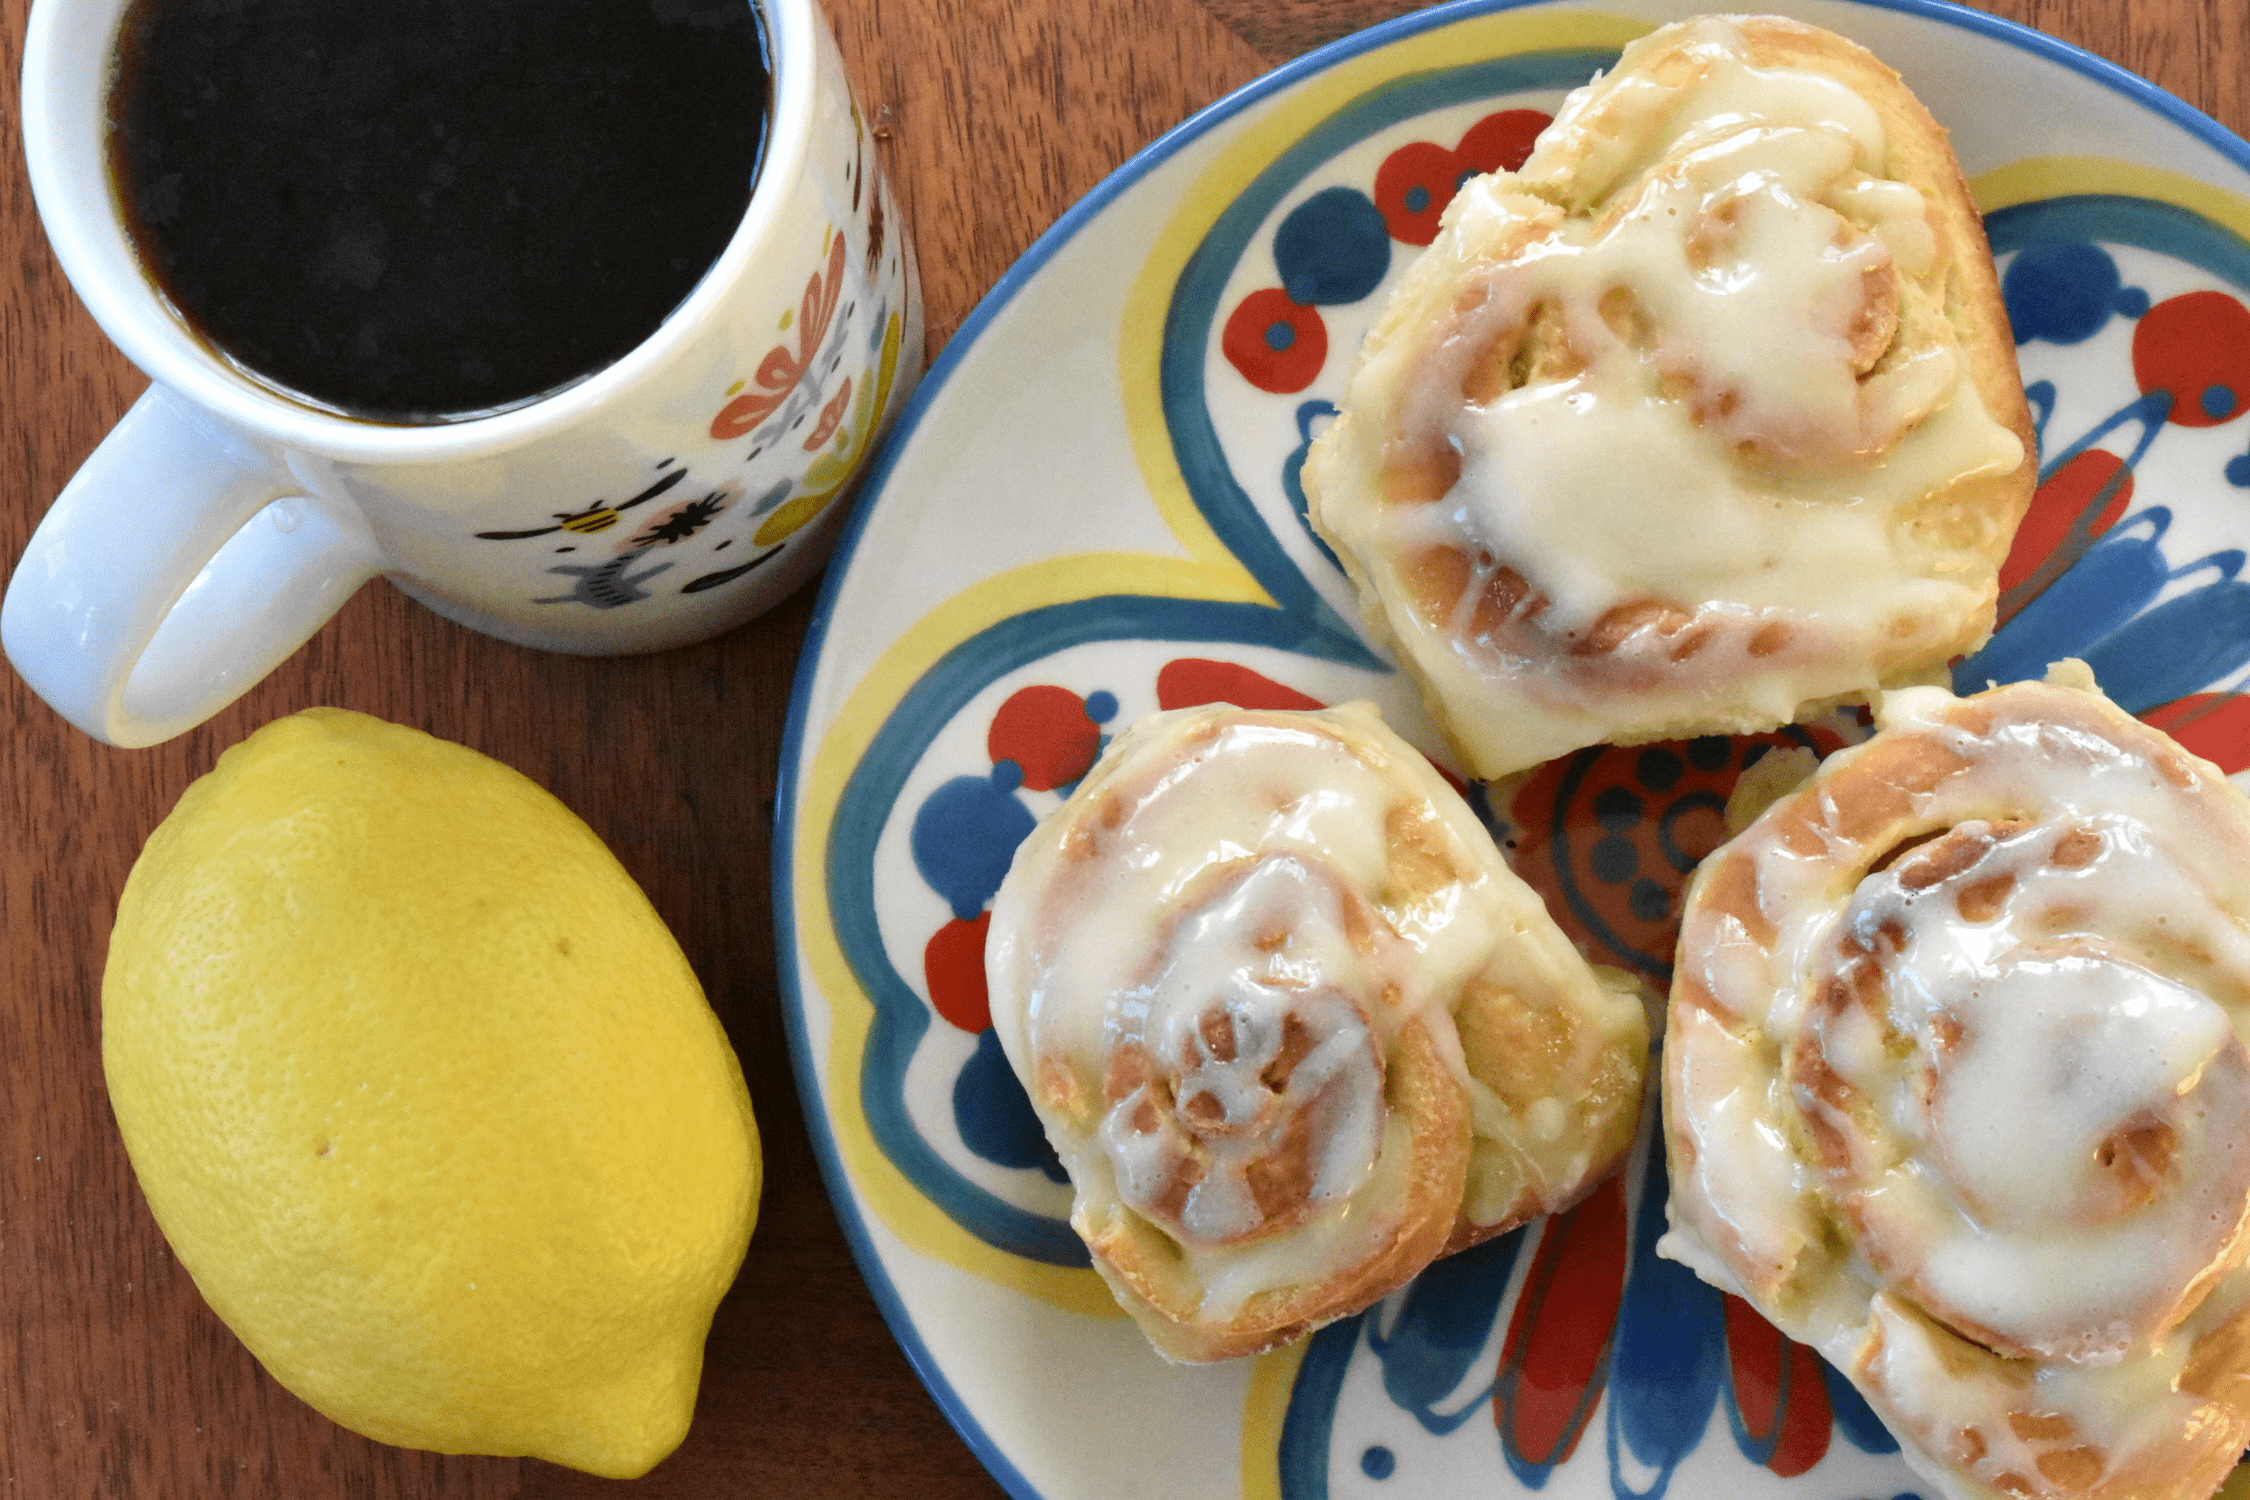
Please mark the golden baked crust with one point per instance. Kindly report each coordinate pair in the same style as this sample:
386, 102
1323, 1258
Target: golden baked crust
1600, 470
1293, 1026
1955, 1090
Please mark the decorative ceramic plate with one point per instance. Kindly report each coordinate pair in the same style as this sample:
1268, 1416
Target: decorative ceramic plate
1092, 510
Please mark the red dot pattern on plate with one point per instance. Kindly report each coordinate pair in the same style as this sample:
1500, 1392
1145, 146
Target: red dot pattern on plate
953, 968
1609, 836
1045, 731
1417, 181
1277, 344
2196, 349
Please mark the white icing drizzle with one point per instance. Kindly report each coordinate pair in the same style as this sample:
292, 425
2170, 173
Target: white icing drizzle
1259, 792
1266, 953
1713, 439
1613, 485
2064, 1156
2033, 1125
1220, 932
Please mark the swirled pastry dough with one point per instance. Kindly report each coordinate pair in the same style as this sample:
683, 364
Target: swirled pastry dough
1706, 416
1955, 1089
1292, 1024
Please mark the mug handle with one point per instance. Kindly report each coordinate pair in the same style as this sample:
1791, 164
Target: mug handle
179, 566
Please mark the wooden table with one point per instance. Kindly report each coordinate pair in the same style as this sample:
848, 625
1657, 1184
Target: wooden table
115, 1379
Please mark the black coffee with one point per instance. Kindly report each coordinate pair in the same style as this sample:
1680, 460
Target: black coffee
415, 210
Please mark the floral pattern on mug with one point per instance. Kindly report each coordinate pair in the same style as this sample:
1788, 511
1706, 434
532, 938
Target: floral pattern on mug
786, 440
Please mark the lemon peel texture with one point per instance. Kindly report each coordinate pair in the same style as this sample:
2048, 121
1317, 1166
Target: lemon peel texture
427, 1099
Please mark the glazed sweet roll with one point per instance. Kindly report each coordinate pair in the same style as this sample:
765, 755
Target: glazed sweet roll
1706, 417
1293, 1026
1955, 1089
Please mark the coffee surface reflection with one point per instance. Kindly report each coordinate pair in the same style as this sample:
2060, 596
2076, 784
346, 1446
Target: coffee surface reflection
426, 210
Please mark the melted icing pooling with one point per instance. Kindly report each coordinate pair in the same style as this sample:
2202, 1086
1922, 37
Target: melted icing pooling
1253, 1026
1690, 422
1957, 1089
1727, 325
1292, 1024
2052, 1111
2053, 1169
1245, 1062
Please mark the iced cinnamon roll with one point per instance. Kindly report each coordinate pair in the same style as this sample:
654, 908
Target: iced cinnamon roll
1704, 418
1293, 1026
1955, 1089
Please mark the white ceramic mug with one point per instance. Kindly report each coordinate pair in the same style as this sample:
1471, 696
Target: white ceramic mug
662, 500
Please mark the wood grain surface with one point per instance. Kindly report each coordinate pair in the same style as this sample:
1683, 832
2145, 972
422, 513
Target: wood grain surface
994, 116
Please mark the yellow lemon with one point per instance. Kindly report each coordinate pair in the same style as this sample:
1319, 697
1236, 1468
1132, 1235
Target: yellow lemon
427, 1099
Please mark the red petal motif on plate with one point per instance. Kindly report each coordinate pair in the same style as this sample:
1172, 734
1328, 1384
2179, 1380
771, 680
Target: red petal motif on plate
2074, 506
2215, 726
831, 416
1190, 681
1557, 1349
1412, 188
1502, 141
1609, 836
1779, 1392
